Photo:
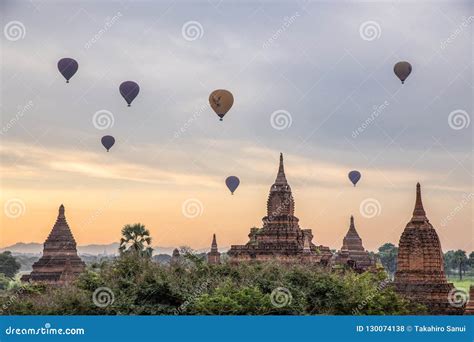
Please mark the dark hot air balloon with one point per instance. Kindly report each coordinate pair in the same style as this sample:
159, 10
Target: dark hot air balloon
67, 67
354, 176
221, 101
232, 183
402, 70
129, 90
108, 141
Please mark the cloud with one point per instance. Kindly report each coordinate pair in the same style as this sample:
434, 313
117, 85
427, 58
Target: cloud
257, 168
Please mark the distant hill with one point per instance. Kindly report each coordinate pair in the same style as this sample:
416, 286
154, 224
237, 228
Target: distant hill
95, 249
24, 248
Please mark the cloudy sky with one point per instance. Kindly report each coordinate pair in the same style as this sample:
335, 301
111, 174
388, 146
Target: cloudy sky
311, 79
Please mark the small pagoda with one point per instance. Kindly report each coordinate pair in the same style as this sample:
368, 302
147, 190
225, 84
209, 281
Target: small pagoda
281, 237
353, 253
420, 270
59, 263
214, 257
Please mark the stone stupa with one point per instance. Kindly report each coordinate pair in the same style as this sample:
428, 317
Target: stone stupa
353, 252
420, 270
281, 237
59, 263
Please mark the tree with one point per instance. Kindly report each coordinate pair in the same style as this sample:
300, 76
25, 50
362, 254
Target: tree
388, 257
460, 261
449, 263
136, 240
8, 264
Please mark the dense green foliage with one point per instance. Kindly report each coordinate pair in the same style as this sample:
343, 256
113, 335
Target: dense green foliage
457, 261
141, 286
388, 254
9, 266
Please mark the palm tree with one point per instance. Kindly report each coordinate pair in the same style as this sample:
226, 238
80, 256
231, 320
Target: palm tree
136, 239
460, 260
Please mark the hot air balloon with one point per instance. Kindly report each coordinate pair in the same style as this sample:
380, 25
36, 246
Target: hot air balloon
354, 176
108, 141
129, 90
221, 101
232, 183
402, 70
67, 67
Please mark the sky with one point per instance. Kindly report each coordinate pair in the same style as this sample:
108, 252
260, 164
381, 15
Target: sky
311, 79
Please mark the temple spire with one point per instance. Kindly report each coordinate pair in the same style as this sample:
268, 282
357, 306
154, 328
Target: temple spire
281, 178
61, 212
419, 212
352, 232
214, 244
214, 257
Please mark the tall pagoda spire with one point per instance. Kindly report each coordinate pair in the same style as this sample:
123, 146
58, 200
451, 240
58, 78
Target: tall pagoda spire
61, 233
280, 201
61, 212
419, 214
352, 228
281, 178
420, 266
214, 257
214, 244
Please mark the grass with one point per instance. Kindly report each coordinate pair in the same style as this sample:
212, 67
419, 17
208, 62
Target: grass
463, 284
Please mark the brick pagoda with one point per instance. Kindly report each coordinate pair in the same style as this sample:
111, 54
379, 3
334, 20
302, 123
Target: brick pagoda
420, 271
280, 238
352, 252
214, 257
59, 263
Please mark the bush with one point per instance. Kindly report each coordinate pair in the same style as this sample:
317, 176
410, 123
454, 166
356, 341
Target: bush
141, 287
